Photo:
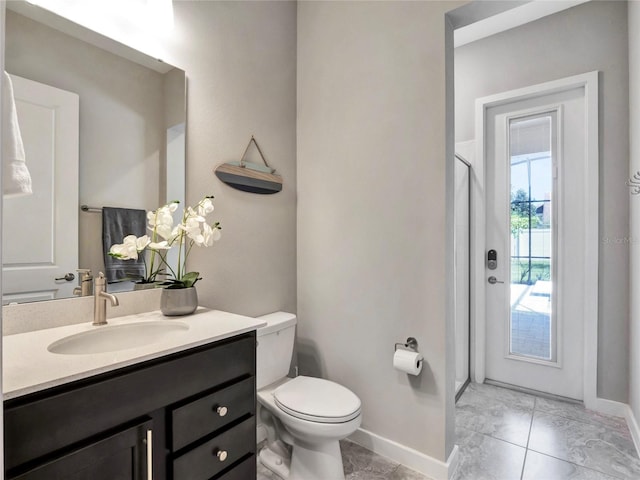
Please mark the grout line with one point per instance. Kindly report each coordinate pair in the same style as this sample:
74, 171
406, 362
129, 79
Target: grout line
526, 451
524, 462
577, 464
533, 413
488, 435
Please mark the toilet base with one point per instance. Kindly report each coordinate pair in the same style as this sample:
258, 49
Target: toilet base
276, 462
308, 462
316, 461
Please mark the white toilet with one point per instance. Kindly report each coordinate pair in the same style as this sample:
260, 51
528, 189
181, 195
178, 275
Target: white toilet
305, 417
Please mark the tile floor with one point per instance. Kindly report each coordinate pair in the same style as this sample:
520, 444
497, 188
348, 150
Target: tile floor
505, 435
361, 464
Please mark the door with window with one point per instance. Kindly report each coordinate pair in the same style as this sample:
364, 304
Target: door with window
535, 210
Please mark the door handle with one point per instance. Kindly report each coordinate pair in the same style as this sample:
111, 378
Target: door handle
69, 277
149, 442
493, 280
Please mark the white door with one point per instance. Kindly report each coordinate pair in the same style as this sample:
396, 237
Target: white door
535, 159
40, 231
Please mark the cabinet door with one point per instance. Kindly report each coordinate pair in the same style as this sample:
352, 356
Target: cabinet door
121, 456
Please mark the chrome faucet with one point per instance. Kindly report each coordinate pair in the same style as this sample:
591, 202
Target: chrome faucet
100, 297
86, 283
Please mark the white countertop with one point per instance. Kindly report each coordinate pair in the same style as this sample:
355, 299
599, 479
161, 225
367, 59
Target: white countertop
29, 367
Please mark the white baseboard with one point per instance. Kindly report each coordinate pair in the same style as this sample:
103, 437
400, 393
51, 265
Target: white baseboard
632, 422
608, 407
618, 409
407, 456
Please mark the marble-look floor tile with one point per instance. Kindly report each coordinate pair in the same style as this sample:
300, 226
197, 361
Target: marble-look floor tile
486, 458
588, 445
404, 473
576, 411
463, 435
538, 466
264, 473
360, 463
495, 417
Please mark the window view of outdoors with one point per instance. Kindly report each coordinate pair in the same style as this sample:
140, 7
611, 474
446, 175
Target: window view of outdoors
531, 237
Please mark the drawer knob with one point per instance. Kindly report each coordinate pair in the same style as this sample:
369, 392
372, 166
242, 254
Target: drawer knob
222, 455
222, 411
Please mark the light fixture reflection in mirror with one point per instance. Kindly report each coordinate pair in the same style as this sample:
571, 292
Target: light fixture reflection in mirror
131, 140
111, 17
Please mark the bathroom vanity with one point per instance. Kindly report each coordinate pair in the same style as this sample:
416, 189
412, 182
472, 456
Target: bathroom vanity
179, 408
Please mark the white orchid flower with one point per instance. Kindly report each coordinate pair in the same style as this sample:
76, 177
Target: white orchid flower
216, 233
165, 231
205, 207
127, 250
141, 242
164, 217
192, 215
210, 234
121, 251
191, 226
191, 230
164, 245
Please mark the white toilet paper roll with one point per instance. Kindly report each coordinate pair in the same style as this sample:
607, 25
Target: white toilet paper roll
407, 361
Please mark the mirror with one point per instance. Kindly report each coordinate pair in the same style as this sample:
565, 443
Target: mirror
128, 135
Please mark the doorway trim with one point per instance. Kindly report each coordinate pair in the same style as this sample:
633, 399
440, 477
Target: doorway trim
588, 81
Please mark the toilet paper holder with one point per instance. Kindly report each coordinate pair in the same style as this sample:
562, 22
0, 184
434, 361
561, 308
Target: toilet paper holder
412, 344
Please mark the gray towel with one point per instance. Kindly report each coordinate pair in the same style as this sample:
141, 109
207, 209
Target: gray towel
117, 223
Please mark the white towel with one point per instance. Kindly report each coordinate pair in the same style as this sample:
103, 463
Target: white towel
16, 179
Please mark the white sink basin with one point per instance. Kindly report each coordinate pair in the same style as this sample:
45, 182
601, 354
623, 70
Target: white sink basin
112, 338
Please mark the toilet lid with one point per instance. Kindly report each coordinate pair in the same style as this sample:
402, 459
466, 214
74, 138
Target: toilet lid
317, 400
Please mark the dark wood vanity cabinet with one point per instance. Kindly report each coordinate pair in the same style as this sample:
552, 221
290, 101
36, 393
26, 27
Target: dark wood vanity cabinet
185, 416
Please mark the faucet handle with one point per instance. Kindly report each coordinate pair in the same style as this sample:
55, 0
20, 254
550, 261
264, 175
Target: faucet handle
85, 274
85, 284
100, 280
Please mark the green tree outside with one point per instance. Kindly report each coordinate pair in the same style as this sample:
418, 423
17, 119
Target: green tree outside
523, 217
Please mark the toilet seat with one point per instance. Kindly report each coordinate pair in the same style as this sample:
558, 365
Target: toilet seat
317, 400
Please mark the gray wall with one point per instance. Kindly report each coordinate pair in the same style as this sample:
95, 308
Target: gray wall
634, 128
591, 36
372, 214
240, 60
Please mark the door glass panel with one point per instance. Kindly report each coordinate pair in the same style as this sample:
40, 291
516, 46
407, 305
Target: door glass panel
531, 329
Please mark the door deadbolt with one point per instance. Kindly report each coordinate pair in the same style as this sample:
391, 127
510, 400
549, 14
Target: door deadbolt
492, 259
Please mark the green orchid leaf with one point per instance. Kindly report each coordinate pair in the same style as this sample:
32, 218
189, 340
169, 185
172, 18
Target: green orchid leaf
190, 279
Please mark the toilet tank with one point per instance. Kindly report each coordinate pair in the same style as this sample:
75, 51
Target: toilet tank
275, 347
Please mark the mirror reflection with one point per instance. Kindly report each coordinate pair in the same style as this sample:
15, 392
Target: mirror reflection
99, 130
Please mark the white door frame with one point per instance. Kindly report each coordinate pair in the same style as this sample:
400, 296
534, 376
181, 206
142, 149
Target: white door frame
591, 196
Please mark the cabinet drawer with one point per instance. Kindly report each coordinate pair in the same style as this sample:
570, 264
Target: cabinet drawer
246, 470
203, 462
201, 417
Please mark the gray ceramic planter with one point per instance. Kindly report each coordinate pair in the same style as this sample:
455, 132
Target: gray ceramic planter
178, 301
